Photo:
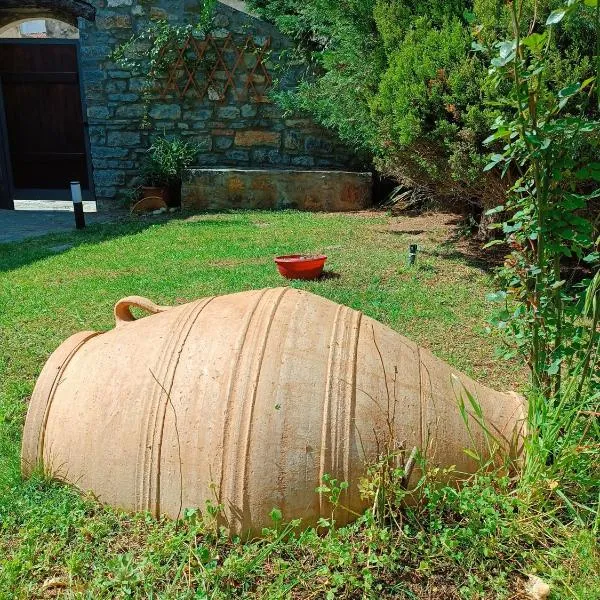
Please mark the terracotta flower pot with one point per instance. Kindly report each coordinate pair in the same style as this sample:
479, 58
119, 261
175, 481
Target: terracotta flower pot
298, 266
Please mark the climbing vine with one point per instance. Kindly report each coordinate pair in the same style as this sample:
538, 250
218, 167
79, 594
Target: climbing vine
150, 52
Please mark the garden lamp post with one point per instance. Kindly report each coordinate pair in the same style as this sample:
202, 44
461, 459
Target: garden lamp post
77, 204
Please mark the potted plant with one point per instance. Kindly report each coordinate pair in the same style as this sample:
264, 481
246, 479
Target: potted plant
163, 168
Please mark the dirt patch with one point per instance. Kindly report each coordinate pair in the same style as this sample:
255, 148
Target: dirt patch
442, 225
451, 233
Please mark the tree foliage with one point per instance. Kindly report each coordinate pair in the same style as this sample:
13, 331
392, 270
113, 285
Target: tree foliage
399, 81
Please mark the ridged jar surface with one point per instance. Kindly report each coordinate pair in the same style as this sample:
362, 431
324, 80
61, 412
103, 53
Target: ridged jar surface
246, 400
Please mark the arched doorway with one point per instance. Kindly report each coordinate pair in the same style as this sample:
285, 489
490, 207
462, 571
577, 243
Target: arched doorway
42, 119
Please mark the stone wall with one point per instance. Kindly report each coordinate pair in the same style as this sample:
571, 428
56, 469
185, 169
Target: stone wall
238, 130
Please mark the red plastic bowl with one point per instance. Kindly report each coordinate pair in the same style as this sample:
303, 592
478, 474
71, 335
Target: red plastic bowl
298, 266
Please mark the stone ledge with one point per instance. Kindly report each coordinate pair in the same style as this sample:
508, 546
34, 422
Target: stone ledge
225, 188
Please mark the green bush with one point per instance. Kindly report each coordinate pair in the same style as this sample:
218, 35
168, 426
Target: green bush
398, 81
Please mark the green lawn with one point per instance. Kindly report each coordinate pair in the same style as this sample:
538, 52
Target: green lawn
52, 542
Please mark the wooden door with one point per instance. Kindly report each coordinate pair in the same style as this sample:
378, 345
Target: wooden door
5, 188
43, 115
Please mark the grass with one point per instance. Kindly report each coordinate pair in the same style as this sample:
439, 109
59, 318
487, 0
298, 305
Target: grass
474, 543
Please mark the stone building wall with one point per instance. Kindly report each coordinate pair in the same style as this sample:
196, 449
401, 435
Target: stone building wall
238, 130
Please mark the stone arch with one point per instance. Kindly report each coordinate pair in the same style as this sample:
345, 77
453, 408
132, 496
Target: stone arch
67, 11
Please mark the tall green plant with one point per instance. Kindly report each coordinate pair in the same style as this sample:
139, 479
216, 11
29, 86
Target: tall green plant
166, 160
551, 313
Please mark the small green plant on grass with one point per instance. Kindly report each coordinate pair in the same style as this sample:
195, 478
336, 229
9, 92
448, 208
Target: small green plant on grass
550, 280
332, 490
551, 312
167, 159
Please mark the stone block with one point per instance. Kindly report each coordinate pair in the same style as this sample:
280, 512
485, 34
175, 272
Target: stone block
249, 110
207, 159
119, 74
137, 84
101, 163
257, 137
165, 111
293, 140
204, 142
91, 76
130, 111
113, 22
116, 86
222, 188
123, 139
303, 161
318, 144
165, 126
270, 111
107, 152
299, 123
262, 156
223, 142
158, 13
228, 112
220, 33
226, 132
103, 192
97, 134
200, 114
99, 113
123, 97
106, 178
237, 156
95, 51
221, 20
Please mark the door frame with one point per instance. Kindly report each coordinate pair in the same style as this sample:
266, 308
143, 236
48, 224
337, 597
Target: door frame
43, 194
6, 202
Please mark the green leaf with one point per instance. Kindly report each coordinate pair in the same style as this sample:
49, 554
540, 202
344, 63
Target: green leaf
472, 454
495, 210
494, 160
556, 16
590, 171
496, 296
493, 243
554, 367
535, 42
570, 90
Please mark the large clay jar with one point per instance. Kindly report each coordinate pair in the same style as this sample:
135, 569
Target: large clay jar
247, 400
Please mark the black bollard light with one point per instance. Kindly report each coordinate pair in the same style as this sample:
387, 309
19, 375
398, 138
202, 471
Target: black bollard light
77, 204
412, 254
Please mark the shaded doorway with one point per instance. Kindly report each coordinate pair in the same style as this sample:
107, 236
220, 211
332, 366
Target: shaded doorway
43, 123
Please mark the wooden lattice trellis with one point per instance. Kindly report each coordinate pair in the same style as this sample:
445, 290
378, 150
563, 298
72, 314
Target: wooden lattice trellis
214, 67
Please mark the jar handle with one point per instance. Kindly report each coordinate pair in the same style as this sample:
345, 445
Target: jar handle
123, 308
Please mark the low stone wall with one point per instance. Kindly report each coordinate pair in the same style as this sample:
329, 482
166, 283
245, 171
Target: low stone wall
223, 188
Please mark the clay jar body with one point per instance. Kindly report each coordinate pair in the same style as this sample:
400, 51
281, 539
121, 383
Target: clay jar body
246, 400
